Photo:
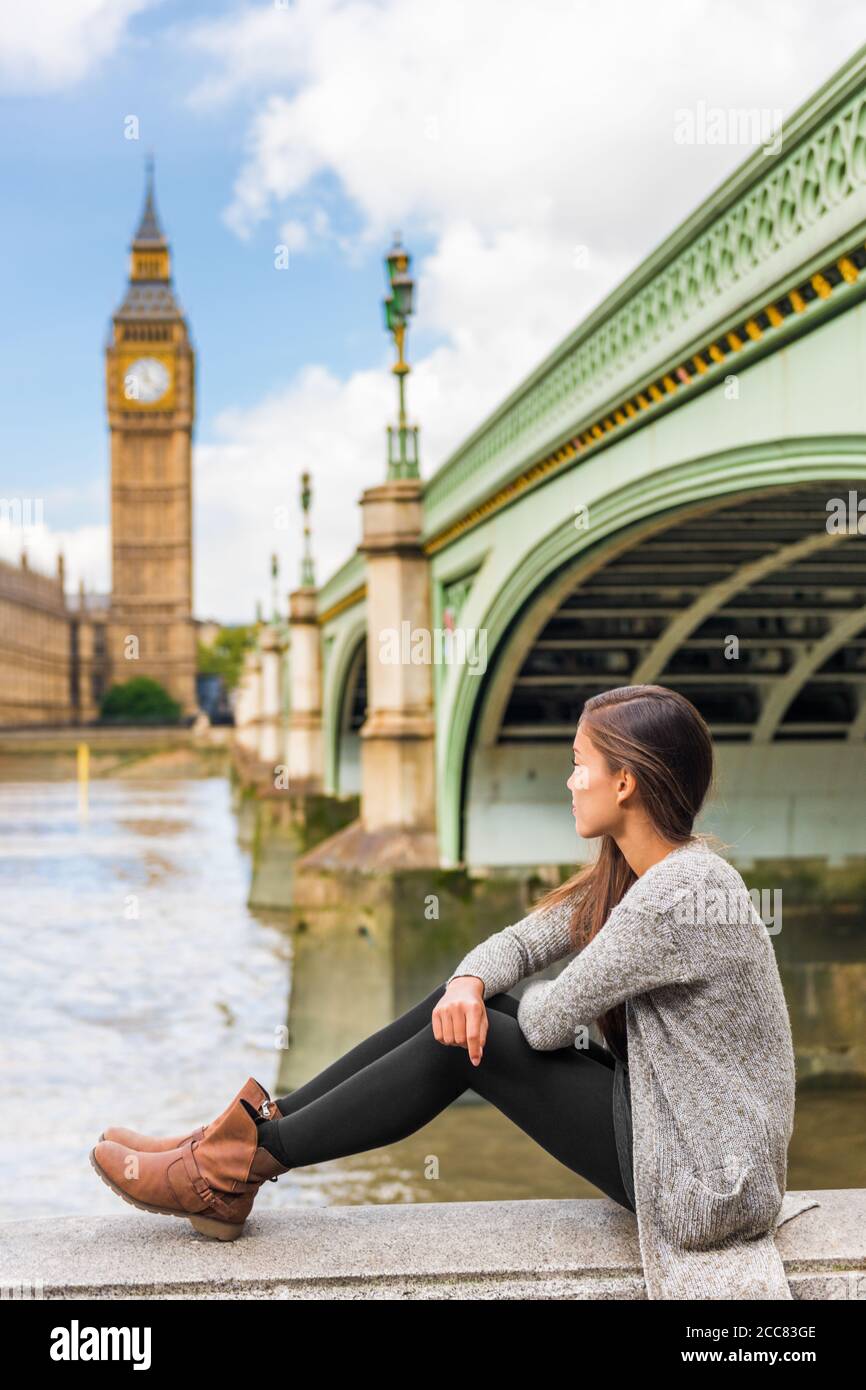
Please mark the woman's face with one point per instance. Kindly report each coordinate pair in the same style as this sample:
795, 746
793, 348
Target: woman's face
596, 792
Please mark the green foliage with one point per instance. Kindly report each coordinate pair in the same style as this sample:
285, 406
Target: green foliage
140, 700
224, 657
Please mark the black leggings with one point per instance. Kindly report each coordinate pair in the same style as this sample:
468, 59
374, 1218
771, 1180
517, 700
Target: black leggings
400, 1077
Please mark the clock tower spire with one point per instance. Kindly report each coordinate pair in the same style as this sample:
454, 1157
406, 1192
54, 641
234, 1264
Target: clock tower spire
150, 390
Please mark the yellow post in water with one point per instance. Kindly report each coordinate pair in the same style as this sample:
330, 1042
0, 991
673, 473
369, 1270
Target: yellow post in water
83, 761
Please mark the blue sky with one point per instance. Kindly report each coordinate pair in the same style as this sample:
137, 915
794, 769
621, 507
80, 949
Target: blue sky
499, 137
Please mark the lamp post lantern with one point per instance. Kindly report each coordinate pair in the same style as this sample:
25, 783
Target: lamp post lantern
399, 306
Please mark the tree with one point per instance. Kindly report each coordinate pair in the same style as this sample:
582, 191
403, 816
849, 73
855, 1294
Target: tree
140, 700
225, 656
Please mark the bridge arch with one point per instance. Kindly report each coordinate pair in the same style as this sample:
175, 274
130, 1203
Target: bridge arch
517, 610
344, 706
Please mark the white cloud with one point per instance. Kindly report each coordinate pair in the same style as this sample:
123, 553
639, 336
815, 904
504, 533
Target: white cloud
562, 113
85, 551
294, 235
54, 43
247, 482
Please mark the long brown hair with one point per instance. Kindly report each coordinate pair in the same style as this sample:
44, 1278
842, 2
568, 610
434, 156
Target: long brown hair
662, 739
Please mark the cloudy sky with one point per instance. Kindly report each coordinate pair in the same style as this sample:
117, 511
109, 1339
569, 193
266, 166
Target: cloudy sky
526, 149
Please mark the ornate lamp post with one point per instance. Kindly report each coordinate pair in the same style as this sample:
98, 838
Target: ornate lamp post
307, 576
275, 572
402, 441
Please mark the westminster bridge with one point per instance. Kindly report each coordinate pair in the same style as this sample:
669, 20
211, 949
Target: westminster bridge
676, 494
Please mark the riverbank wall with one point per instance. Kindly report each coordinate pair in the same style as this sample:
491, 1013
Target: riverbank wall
46, 755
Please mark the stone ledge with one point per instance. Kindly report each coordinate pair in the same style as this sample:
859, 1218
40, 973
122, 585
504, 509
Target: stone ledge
542, 1249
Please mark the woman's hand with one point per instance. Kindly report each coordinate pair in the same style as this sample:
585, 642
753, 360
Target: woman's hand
460, 1018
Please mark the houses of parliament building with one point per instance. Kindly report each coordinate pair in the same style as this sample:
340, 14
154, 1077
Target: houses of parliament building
60, 652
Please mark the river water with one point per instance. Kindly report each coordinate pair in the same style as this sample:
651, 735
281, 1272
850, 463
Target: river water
138, 989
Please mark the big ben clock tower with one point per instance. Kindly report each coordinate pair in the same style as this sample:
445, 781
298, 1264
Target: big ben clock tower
150, 381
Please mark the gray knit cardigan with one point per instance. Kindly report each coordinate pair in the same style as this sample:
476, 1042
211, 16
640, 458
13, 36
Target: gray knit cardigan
711, 1063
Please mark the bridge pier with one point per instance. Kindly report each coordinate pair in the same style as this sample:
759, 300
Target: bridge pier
247, 703
397, 823
287, 824
398, 735
270, 732
370, 941
283, 803
304, 749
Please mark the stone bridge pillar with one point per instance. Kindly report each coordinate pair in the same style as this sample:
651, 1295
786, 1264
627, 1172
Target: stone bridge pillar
398, 786
270, 740
247, 705
304, 747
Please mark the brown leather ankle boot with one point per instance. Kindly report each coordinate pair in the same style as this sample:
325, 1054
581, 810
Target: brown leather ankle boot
212, 1181
145, 1143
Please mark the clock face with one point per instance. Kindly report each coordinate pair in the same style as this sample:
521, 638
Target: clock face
146, 381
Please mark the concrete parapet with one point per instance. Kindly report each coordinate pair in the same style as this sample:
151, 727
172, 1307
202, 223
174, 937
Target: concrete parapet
543, 1249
